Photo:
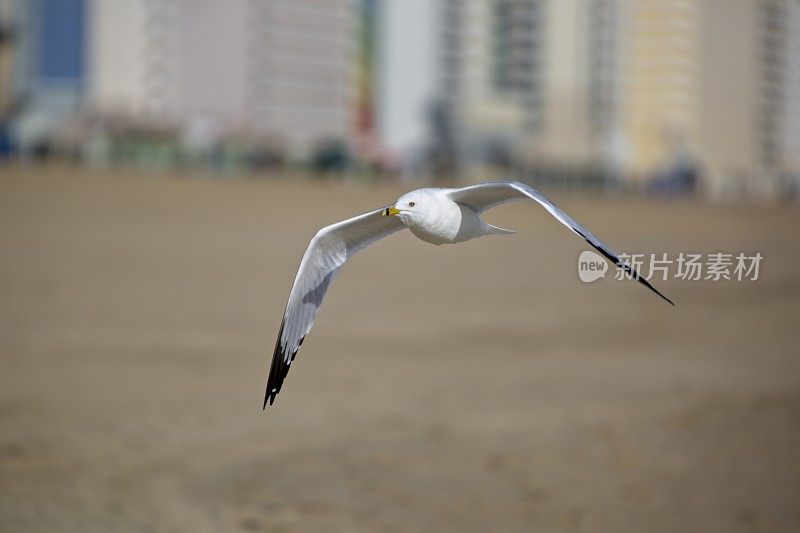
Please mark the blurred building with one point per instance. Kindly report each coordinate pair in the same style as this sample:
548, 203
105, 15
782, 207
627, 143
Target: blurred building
276, 67
407, 73
46, 62
457, 75
574, 91
634, 89
715, 79
791, 87
6, 92
6, 48
279, 68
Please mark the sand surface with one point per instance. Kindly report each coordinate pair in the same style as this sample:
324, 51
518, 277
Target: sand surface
473, 387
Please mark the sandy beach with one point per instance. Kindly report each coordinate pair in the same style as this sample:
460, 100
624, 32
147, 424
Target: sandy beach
474, 387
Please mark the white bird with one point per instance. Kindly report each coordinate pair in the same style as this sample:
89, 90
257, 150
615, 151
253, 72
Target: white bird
437, 216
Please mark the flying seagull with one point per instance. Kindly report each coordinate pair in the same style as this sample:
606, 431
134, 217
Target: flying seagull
437, 216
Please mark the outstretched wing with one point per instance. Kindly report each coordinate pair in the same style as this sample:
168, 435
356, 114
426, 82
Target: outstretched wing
325, 255
487, 195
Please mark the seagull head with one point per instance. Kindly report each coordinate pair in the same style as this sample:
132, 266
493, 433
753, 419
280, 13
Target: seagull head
409, 206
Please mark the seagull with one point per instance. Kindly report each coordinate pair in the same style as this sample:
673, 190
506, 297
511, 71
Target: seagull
435, 215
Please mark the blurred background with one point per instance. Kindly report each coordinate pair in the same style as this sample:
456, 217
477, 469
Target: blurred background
679, 96
163, 164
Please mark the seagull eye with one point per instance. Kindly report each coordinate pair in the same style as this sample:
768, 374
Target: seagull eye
410, 204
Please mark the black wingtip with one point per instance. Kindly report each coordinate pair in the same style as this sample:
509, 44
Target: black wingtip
268, 399
276, 371
647, 284
670, 302
625, 266
281, 361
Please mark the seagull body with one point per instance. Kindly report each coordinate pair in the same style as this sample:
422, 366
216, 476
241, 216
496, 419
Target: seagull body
433, 216
436, 216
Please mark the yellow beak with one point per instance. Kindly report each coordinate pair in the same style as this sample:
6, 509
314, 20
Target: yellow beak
390, 211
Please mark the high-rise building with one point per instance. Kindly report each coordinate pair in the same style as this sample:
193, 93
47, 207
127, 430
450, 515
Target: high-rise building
633, 88
790, 134
709, 83
778, 42
458, 72
274, 67
301, 68
500, 82
6, 58
749, 93
661, 82
48, 65
408, 50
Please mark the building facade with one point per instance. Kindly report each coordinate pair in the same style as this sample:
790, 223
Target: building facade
276, 68
627, 88
279, 68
